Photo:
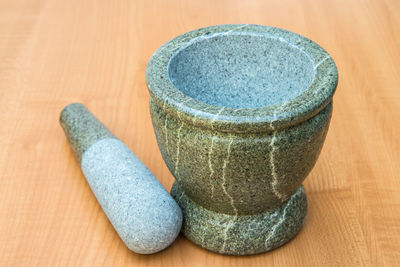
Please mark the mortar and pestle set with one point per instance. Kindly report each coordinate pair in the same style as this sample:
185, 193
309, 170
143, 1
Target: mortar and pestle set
240, 114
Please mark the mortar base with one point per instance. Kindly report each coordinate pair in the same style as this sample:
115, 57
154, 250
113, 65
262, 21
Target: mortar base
243, 234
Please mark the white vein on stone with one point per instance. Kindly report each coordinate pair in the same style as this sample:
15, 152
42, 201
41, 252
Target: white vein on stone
227, 228
180, 104
321, 61
180, 197
184, 43
291, 45
195, 115
235, 29
198, 112
166, 98
224, 184
210, 166
166, 132
271, 233
165, 101
226, 161
215, 117
275, 180
166, 117
178, 143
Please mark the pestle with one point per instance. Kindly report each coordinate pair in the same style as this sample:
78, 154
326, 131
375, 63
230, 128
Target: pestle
143, 213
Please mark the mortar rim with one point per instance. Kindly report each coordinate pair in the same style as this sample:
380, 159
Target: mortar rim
242, 120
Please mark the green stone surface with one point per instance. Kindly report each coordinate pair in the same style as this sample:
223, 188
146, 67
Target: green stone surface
242, 234
82, 128
239, 159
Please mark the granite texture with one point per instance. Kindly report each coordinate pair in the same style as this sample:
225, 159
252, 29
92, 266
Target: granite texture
81, 128
240, 174
238, 77
240, 113
242, 234
142, 212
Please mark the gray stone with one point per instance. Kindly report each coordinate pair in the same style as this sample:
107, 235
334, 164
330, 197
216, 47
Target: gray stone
240, 113
142, 212
242, 234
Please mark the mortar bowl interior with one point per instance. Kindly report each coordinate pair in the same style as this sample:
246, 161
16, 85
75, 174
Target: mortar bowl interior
242, 70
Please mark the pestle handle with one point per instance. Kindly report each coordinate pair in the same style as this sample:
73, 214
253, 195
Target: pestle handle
82, 128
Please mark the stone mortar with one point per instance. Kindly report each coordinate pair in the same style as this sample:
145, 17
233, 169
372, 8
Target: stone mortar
240, 113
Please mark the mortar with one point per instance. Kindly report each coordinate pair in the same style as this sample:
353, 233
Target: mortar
240, 113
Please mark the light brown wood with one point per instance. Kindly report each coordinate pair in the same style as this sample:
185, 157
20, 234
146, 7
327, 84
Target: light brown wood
55, 52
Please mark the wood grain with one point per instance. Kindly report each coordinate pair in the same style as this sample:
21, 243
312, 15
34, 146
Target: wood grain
55, 52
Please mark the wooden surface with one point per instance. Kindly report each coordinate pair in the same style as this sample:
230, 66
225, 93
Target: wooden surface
54, 52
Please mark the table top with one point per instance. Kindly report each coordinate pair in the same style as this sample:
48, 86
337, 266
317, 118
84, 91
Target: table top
56, 52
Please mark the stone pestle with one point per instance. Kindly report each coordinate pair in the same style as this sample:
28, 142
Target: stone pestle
142, 212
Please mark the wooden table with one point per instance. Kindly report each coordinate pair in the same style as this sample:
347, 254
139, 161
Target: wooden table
55, 52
